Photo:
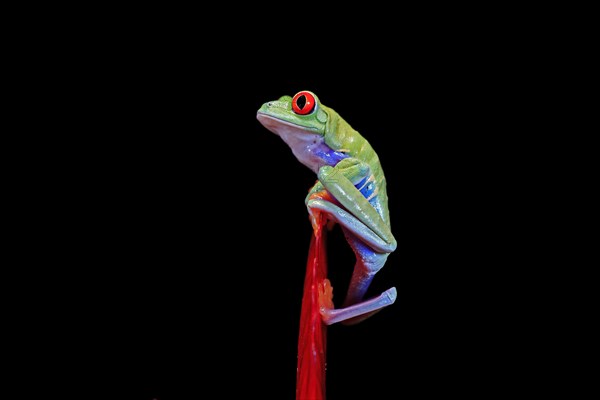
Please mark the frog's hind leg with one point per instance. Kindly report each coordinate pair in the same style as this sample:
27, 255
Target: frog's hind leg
354, 309
371, 254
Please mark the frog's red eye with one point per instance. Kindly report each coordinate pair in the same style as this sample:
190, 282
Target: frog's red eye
303, 103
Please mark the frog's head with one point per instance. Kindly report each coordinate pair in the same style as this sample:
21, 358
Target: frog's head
300, 121
302, 113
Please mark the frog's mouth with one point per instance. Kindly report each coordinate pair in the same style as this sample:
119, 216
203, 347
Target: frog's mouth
281, 127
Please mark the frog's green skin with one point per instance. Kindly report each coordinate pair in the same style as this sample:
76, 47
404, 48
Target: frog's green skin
351, 190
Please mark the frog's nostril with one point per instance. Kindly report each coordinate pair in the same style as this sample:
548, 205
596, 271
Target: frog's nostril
269, 104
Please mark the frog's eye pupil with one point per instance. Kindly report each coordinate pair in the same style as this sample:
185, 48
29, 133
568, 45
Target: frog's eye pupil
303, 103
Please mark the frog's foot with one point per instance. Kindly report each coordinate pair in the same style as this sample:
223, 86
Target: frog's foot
357, 312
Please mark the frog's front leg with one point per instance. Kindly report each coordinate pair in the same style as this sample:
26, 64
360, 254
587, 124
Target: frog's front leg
337, 195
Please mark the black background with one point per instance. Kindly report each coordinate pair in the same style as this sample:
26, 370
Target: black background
188, 233
205, 235
212, 222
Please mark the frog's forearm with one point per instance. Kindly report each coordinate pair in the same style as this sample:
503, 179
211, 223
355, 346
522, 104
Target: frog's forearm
350, 197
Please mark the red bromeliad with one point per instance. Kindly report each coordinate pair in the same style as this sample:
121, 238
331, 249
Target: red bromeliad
312, 340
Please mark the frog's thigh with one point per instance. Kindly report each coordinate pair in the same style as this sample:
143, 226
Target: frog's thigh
350, 222
344, 191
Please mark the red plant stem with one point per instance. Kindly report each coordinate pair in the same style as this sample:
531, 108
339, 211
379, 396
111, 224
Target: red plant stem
312, 339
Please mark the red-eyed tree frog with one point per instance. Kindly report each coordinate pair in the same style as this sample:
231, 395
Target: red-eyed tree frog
350, 189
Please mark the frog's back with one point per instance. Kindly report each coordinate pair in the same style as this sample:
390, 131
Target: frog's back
340, 136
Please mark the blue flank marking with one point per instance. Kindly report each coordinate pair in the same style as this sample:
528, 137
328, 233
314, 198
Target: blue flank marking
359, 184
368, 189
331, 157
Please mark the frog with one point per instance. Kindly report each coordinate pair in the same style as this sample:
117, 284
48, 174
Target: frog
350, 190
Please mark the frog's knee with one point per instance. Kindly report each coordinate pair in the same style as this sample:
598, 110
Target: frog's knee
328, 174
